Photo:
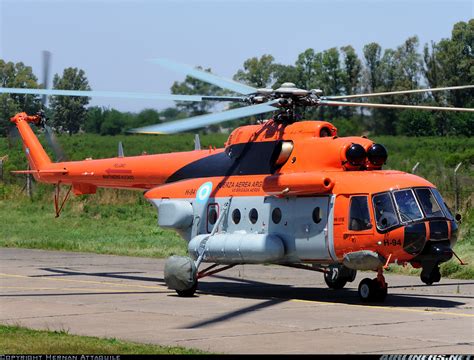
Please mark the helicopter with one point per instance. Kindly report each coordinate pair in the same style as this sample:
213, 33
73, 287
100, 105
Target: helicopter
285, 191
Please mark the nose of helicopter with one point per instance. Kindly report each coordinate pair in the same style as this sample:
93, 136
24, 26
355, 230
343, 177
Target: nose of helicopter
430, 239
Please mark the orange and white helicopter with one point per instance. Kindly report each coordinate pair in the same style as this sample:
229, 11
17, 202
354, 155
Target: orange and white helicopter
285, 191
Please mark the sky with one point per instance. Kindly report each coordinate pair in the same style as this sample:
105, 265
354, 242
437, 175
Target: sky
112, 39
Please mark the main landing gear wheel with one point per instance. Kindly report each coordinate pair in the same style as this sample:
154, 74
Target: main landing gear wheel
373, 289
338, 276
188, 292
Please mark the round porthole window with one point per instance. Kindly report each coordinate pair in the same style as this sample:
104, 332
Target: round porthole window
276, 215
253, 216
316, 215
236, 216
212, 215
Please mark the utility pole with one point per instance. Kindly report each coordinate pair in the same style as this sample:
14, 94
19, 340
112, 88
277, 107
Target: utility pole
413, 170
456, 188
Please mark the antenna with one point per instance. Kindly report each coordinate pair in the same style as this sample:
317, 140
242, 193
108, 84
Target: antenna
120, 149
197, 142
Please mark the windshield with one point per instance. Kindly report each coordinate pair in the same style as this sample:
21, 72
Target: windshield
385, 215
407, 206
428, 203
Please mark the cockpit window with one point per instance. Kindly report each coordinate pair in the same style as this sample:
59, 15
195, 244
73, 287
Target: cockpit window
428, 203
385, 215
359, 214
407, 206
443, 205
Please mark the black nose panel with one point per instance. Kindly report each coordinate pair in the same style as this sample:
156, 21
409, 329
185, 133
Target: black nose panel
438, 230
415, 237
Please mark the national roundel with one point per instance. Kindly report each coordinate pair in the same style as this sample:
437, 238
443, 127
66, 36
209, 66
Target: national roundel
204, 192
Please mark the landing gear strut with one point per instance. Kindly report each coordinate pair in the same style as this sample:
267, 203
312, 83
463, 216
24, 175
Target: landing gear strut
373, 289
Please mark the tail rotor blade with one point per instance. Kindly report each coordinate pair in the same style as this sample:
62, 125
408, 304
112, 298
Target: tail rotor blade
53, 142
46, 68
13, 135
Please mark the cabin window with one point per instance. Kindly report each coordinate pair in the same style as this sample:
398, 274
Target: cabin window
317, 215
276, 215
253, 216
359, 217
385, 215
236, 216
428, 203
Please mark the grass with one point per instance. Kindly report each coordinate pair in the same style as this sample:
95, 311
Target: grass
115, 222
19, 340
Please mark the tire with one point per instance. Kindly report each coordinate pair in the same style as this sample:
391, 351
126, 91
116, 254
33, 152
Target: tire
337, 284
380, 292
367, 290
371, 291
338, 277
188, 292
432, 277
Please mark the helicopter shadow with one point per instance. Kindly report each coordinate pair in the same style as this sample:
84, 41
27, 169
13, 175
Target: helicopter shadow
247, 288
243, 288
124, 275
274, 294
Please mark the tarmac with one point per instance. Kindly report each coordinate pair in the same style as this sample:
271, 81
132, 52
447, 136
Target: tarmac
247, 309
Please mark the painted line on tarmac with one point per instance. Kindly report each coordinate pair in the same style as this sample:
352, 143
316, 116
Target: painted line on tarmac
98, 290
87, 282
390, 308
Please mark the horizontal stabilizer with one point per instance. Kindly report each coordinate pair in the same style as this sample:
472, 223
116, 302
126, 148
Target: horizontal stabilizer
52, 171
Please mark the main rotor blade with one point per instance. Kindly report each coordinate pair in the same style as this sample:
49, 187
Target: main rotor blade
401, 92
107, 94
393, 106
205, 76
205, 120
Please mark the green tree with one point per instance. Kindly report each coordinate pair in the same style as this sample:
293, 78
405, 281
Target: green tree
148, 117
352, 68
94, 119
451, 62
415, 123
352, 72
192, 86
69, 112
372, 56
113, 123
16, 76
309, 70
257, 72
332, 80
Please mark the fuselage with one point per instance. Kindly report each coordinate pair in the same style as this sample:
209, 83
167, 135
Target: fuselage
295, 183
